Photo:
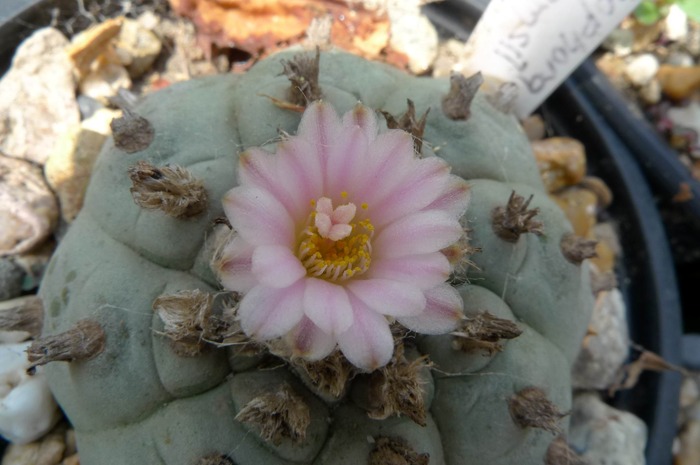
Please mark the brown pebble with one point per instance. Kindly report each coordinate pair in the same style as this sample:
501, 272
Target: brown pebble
679, 82
561, 160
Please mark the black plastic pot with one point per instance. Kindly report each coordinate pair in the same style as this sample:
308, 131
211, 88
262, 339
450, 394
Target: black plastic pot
646, 270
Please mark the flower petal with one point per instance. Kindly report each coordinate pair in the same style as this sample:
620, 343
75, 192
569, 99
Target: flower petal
454, 199
425, 183
276, 266
347, 160
258, 217
443, 312
423, 271
327, 305
388, 297
258, 168
364, 118
309, 342
419, 233
321, 126
234, 266
267, 313
368, 343
299, 171
389, 158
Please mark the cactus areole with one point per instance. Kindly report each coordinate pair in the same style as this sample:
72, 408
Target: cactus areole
332, 279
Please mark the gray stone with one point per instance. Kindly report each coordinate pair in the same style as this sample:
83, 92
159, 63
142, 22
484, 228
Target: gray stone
11, 276
605, 349
604, 435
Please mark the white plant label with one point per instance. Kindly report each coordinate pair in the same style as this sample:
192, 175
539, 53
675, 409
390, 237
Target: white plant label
536, 44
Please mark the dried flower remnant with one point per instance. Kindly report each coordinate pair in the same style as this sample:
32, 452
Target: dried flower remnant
351, 234
516, 218
395, 451
86, 340
484, 333
302, 72
458, 101
397, 389
330, 375
530, 408
576, 249
171, 189
186, 316
408, 123
277, 415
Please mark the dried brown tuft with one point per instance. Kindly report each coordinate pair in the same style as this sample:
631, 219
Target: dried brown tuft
132, 133
458, 101
278, 415
407, 122
329, 375
187, 316
215, 459
397, 389
530, 408
395, 451
27, 315
170, 188
484, 333
515, 218
560, 453
86, 340
302, 71
576, 249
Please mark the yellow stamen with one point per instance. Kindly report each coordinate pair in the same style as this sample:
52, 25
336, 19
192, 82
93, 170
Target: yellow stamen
336, 260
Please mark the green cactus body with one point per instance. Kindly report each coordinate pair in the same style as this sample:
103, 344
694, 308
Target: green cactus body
140, 402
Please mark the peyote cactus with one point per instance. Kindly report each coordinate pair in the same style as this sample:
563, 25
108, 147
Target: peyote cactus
188, 342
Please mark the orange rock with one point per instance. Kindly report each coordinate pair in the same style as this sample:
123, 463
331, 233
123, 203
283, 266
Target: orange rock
679, 82
605, 261
580, 207
260, 27
561, 160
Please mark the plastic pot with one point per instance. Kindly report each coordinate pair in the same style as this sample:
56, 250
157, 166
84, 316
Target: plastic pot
646, 271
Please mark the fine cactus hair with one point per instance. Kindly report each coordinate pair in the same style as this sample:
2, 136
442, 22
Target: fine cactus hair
463, 359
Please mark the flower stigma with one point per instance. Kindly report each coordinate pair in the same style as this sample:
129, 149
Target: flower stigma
333, 246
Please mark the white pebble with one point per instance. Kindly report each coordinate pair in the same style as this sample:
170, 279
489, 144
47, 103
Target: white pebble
641, 69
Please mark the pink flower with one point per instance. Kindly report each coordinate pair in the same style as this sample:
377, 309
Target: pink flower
339, 233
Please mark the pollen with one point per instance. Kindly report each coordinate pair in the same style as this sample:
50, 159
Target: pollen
336, 252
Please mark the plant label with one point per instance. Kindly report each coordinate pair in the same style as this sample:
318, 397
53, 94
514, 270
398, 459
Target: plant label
536, 44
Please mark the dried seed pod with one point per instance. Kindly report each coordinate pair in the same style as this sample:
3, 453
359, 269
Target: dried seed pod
277, 415
86, 340
302, 72
170, 188
457, 103
484, 332
408, 123
576, 249
395, 451
397, 389
530, 408
186, 316
329, 375
515, 218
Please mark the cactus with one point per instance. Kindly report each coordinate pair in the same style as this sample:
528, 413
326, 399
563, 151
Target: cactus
175, 377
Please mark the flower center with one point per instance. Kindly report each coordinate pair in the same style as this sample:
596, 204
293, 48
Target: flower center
333, 246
